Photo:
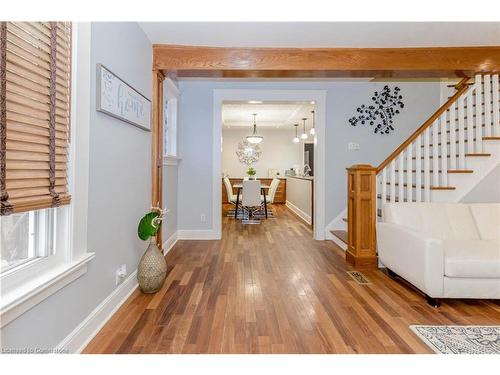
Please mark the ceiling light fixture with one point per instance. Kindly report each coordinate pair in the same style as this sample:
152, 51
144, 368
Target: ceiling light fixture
296, 139
304, 134
254, 102
254, 138
313, 129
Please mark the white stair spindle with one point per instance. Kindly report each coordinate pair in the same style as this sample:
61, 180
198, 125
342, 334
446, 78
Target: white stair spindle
392, 186
453, 137
444, 150
401, 176
461, 133
383, 193
426, 167
479, 114
487, 105
470, 124
409, 174
435, 154
496, 107
418, 163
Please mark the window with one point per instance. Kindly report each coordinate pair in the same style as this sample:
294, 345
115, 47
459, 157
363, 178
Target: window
170, 98
26, 237
38, 221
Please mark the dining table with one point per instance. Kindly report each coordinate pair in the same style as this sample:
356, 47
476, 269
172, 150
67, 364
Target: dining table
239, 187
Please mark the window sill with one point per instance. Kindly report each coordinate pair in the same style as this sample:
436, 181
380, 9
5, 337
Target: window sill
171, 160
16, 302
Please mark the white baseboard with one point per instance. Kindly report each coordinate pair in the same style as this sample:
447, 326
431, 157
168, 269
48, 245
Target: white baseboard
304, 216
169, 243
194, 234
77, 340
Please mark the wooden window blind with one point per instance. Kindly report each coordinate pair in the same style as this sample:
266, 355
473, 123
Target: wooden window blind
35, 85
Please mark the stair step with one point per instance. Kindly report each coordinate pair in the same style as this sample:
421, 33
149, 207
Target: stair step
467, 155
460, 171
340, 234
432, 171
422, 187
465, 129
465, 141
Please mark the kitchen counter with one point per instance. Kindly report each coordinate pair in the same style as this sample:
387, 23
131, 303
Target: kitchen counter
310, 178
299, 196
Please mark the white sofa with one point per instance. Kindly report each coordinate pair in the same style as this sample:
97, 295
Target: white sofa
447, 250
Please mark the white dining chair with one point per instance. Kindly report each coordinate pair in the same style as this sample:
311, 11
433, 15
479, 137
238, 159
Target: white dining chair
231, 198
272, 191
251, 200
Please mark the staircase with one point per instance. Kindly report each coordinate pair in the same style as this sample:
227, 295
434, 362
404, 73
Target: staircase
445, 158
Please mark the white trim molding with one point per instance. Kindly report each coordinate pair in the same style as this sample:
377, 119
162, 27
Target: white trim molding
319, 97
31, 293
169, 243
79, 338
297, 211
171, 160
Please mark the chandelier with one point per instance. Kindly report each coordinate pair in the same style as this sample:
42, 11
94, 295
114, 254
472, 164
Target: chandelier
254, 138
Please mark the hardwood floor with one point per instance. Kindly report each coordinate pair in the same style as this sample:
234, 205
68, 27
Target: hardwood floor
271, 288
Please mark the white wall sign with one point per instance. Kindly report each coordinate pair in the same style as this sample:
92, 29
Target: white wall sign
118, 99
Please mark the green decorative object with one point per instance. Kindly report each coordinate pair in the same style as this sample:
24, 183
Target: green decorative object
152, 268
251, 172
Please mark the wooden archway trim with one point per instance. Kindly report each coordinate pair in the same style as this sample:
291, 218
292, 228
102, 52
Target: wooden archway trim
157, 146
194, 61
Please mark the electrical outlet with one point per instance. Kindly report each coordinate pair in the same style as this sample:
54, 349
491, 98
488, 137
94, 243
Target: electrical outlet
203, 218
353, 146
120, 274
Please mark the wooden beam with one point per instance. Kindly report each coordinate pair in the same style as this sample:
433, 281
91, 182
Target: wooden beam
157, 146
324, 62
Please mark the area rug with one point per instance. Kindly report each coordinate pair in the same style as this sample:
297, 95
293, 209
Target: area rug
460, 339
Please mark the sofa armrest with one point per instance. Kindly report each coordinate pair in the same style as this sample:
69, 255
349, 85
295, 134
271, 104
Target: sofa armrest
412, 255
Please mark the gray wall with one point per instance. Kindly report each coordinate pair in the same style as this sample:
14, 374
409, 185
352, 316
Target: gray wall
195, 137
119, 194
487, 191
278, 151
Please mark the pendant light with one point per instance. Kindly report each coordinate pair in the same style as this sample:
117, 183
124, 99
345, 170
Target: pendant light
254, 138
313, 129
304, 134
296, 139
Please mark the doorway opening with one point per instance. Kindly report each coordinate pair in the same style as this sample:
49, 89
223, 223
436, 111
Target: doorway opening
275, 137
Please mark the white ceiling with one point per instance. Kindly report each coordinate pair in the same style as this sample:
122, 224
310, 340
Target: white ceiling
324, 34
269, 114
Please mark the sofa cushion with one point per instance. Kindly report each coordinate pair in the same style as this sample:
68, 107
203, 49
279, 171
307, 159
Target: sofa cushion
472, 258
446, 221
487, 218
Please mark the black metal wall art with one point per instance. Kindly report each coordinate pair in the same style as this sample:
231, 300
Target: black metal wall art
387, 104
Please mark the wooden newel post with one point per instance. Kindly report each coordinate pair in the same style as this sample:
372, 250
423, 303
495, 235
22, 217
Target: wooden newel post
361, 216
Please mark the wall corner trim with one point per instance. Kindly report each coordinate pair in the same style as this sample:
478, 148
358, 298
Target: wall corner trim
169, 243
79, 338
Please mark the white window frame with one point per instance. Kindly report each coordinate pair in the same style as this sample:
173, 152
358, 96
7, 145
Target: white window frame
28, 285
171, 96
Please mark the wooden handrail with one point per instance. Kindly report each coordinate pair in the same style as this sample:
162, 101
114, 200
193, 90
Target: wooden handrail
461, 87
